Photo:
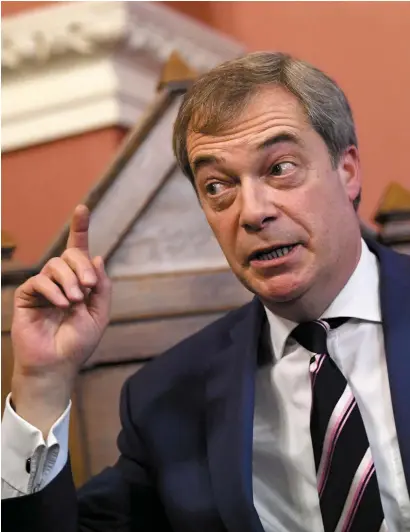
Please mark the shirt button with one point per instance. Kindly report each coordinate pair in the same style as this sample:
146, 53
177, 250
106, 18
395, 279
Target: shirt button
28, 465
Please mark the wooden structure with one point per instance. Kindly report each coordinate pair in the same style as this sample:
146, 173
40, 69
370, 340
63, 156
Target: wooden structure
394, 217
170, 278
7, 245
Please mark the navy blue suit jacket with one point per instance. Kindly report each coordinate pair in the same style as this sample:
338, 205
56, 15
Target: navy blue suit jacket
186, 441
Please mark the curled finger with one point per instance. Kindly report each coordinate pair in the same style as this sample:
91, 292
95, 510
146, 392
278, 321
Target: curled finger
61, 273
40, 291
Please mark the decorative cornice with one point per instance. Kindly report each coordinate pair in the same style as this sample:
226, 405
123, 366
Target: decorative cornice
38, 36
83, 28
81, 66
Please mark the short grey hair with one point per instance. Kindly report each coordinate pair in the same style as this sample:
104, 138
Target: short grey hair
218, 97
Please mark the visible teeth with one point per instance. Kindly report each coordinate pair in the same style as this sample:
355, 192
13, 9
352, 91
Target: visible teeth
276, 253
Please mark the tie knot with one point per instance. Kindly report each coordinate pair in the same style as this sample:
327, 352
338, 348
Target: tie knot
312, 335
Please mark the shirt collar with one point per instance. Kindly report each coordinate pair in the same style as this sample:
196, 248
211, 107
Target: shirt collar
359, 299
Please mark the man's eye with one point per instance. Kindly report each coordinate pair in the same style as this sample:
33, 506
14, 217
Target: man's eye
280, 169
213, 189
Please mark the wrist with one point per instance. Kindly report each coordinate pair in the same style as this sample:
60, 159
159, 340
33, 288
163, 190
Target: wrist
40, 400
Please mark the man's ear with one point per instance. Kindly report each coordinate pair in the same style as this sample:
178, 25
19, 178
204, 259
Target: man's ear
350, 172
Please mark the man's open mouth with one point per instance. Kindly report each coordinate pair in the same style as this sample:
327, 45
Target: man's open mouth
272, 253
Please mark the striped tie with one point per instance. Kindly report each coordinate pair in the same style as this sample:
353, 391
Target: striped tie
346, 479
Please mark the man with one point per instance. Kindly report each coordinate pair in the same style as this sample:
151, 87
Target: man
289, 414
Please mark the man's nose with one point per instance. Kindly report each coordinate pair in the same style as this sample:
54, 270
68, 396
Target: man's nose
257, 207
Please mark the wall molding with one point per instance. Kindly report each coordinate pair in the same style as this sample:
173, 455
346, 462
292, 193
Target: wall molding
81, 66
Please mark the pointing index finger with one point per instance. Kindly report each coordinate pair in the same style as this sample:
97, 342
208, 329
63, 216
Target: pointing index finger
80, 222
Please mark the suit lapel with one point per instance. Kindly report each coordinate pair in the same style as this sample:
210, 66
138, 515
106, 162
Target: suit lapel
229, 418
395, 306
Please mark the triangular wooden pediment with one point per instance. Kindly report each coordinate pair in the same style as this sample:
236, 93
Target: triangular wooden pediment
171, 235
176, 73
395, 203
138, 170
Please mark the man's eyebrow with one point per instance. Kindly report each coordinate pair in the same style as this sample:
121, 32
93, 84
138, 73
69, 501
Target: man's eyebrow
278, 139
205, 160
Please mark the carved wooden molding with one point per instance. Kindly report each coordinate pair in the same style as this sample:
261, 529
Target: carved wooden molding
81, 66
142, 340
159, 296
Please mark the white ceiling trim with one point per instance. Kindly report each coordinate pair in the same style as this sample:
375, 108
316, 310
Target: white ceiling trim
81, 66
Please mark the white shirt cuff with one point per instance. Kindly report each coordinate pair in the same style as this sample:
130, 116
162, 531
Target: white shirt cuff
21, 441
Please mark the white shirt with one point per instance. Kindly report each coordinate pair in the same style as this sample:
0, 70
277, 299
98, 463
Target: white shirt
21, 441
284, 478
284, 485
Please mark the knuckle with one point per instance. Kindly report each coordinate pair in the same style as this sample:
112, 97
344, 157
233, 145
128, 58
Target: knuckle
41, 281
52, 264
38, 278
20, 290
41, 277
55, 261
69, 254
65, 254
74, 258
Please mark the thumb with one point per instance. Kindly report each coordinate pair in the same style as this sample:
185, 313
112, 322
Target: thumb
100, 297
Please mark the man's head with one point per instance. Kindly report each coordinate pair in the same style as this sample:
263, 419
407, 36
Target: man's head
269, 144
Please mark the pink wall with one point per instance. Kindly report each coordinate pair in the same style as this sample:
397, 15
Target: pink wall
41, 185
12, 8
363, 45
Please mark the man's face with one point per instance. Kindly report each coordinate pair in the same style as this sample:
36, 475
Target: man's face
281, 213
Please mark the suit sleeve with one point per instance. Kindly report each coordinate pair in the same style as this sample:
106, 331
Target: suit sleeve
121, 498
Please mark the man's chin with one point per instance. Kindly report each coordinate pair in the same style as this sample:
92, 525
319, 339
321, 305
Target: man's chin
278, 292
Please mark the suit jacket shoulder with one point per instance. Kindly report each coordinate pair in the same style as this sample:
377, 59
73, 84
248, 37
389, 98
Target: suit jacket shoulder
187, 360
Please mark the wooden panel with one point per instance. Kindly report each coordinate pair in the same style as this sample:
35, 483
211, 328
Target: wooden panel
134, 187
171, 235
100, 392
173, 295
154, 296
402, 248
396, 231
141, 340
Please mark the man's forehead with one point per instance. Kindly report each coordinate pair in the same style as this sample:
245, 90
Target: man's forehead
273, 107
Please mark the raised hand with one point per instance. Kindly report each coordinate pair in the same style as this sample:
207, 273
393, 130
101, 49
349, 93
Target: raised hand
59, 318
